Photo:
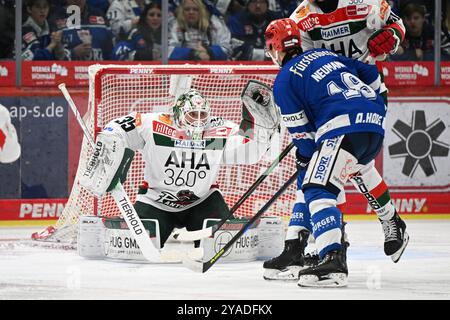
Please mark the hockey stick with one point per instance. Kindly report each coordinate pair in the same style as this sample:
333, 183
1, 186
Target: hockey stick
120, 196
184, 235
372, 60
200, 266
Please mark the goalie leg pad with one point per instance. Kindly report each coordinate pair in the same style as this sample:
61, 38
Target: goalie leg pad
91, 237
245, 249
100, 238
271, 237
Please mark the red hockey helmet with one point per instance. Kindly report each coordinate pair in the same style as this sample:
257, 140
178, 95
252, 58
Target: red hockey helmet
282, 35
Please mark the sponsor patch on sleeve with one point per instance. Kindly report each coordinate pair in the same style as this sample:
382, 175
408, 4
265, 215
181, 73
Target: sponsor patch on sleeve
29, 37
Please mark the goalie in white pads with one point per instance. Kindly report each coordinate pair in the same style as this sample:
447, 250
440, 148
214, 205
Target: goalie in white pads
9, 144
183, 153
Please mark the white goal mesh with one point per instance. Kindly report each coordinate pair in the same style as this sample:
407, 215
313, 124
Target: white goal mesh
118, 90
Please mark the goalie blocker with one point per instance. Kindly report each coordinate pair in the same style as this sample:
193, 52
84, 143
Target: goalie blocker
108, 165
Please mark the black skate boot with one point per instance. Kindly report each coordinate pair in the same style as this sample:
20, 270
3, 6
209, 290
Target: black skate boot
395, 237
330, 272
287, 265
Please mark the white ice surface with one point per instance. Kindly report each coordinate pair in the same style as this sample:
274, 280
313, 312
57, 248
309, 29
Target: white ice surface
422, 273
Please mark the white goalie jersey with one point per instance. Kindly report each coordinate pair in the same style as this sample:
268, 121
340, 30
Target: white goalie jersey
179, 172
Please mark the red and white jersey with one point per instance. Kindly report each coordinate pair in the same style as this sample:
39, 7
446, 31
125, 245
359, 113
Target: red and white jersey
9, 145
181, 172
347, 29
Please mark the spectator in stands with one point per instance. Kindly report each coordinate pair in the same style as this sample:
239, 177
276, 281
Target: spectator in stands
445, 34
91, 40
419, 38
103, 5
198, 35
247, 30
223, 8
144, 42
7, 29
394, 4
38, 41
426, 4
235, 6
123, 16
284, 8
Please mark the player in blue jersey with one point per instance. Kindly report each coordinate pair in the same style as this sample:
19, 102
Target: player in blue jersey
331, 106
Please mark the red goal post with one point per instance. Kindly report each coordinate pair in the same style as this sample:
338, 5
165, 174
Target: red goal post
116, 90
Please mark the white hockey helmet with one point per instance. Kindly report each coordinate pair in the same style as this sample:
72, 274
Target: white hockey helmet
191, 113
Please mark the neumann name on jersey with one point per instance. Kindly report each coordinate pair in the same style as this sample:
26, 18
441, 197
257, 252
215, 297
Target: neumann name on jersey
307, 59
326, 69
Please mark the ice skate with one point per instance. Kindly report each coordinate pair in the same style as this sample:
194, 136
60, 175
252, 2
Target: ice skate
330, 272
293, 259
395, 237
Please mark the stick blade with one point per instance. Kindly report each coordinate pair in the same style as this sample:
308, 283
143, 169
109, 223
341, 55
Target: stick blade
184, 235
194, 265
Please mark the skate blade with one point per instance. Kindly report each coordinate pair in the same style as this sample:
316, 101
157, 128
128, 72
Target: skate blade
397, 255
331, 280
288, 274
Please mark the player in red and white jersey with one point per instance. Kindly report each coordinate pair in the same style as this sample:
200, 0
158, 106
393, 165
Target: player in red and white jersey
358, 29
9, 145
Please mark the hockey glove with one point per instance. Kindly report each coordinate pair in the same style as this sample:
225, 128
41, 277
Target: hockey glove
301, 161
107, 166
383, 41
259, 111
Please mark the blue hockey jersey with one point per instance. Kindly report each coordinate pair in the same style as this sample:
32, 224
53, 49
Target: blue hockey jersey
322, 95
35, 41
93, 28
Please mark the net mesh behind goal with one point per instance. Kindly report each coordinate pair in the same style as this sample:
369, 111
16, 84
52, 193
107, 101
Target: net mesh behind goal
118, 90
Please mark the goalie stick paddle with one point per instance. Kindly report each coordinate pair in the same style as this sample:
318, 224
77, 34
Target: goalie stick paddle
200, 266
184, 235
120, 196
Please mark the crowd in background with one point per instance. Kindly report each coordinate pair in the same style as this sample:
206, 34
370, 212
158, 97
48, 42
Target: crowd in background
199, 30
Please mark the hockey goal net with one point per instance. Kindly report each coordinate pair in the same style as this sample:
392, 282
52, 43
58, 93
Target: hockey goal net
115, 91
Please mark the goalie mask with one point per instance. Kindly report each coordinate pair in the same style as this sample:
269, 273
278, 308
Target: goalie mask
191, 113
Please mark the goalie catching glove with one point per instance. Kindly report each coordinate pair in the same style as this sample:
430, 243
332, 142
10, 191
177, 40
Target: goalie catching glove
107, 166
260, 115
